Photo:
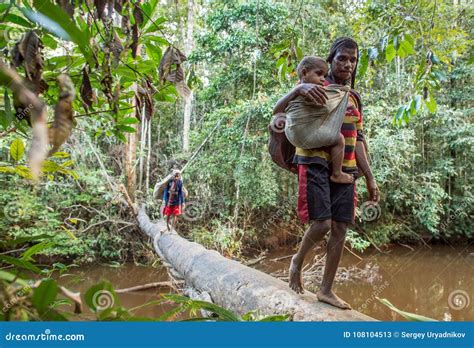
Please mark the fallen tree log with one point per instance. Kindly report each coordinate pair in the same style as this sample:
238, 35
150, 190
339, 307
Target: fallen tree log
234, 286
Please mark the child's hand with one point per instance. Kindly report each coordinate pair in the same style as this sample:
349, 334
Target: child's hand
313, 93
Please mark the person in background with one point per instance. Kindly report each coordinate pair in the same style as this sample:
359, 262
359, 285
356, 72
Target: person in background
174, 196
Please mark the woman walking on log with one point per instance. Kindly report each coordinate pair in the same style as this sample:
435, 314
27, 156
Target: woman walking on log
329, 205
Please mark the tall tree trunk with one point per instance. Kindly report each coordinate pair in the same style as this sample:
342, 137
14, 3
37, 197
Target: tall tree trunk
188, 102
131, 148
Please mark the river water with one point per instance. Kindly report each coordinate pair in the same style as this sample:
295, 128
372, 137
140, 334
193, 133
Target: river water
437, 282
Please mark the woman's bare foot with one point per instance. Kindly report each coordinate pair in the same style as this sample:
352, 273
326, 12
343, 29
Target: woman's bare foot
295, 277
342, 178
332, 299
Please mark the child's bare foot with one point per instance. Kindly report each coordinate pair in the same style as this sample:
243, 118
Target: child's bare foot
332, 299
342, 178
295, 277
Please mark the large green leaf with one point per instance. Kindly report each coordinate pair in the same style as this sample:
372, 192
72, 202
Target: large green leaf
406, 315
7, 117
20, 263
54, 19
17, 149
191, 304
431, 104
35, 249
44, 295
22, 240
390, 53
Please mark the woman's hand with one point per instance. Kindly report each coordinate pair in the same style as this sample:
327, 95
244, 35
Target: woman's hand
312, 92
374, 193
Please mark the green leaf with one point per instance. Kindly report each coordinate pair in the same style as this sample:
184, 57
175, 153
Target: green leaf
406, 315
35, 249
21, 240
417, 102
67, 163
7, 169
125, 128
23, 171
435, 59
406, 47
223, 313
17, 149
299, 53
60, 154
10, 277
281, 317
431, 104
363, 64
398, 118
54, 19
390, 53
158, 39
128, 120
50, 167
13, 18
409, 38
20, 263
44, 295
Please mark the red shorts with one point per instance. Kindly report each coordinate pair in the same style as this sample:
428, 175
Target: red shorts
172, 210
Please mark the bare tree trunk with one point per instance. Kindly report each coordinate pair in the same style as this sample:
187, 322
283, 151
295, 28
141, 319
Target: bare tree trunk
148, 158
188, 102
232, 285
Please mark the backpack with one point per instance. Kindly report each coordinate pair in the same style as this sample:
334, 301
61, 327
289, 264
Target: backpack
280, 149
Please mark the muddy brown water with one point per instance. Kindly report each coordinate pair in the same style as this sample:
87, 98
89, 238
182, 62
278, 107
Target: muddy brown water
437, 282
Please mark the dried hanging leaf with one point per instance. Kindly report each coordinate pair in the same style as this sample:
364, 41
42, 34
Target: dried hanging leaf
183, 89
116, 48
116, 97
100, 7
63, 114
38, 150
17, 57
28, 52
138, 105
118, 5
149, 106
176, 75
87, 94
125, 19
138, 16
170, 65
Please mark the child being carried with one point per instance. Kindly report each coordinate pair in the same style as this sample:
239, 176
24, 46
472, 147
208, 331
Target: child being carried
309, 125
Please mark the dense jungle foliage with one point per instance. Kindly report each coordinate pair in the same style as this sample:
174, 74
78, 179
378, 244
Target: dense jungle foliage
132, 82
